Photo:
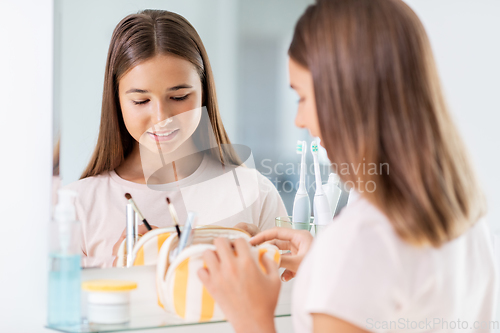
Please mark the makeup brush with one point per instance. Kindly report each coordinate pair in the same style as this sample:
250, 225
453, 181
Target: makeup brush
131, 201
173, 213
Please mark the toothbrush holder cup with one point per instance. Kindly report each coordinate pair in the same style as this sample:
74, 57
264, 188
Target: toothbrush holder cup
286, 222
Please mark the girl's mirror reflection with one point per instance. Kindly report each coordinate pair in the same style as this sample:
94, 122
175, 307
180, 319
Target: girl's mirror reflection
159, 110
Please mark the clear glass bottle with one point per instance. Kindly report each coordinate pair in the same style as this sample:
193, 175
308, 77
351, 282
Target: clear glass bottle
64, 260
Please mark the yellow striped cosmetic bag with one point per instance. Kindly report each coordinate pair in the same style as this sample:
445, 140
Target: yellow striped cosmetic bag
146, 249
180, 291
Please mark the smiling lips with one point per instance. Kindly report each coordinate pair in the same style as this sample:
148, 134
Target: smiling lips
164, 136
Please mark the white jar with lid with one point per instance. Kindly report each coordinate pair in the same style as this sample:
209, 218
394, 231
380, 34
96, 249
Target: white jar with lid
108, 301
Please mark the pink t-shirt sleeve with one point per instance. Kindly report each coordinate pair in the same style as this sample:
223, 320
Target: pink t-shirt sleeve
272, 204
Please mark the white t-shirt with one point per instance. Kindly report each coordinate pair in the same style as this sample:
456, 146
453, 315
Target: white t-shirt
360, 271
218, 196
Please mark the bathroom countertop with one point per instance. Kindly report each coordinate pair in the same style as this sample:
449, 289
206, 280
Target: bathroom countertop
148, 316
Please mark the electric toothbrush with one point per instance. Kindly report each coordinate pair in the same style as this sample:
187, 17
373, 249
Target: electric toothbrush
301, 204
333, 192
322, 213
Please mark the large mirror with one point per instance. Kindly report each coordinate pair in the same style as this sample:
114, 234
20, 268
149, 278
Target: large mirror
246, 43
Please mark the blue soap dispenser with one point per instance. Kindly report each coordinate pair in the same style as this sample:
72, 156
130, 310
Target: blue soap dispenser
64, 260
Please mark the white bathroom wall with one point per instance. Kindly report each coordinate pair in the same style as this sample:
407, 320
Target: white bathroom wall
26, 162
465, 36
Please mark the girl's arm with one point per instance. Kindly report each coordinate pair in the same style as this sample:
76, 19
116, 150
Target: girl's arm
323, 323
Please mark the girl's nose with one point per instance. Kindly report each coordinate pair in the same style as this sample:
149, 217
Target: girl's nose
299, 120
160, 114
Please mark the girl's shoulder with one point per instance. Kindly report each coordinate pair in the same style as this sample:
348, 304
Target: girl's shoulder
360, 226
246, 175
90, 183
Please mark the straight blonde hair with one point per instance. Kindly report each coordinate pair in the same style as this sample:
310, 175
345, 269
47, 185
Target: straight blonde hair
379, 101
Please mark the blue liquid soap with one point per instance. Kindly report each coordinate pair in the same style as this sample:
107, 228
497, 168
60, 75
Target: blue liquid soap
64, 290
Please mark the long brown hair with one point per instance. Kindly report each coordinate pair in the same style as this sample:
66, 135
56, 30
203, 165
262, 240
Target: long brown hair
379, 101
137, 38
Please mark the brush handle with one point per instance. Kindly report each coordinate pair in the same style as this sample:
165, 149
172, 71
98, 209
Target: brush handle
317, 175
322, 213
137, 211
147, 225
303, 168
301, 209
186, 236
302, 181
173, 213
333, 193
178, 230
130, 235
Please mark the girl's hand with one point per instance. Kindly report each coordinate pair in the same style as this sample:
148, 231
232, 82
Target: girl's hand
297, 242
246, 295
142, 230
252, 229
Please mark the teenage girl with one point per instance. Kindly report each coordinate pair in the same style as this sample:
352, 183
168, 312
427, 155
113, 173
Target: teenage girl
413, 254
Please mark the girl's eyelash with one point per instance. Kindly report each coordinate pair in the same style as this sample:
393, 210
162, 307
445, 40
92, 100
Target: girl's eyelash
180, 98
